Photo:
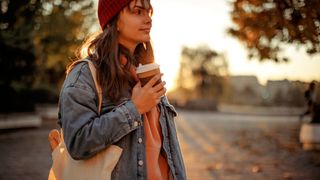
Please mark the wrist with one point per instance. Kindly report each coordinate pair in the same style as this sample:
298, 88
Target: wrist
137, 107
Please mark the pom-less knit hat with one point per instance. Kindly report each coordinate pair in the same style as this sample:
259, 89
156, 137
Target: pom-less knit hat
107, 9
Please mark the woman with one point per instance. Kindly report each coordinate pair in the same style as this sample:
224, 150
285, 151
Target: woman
138, 119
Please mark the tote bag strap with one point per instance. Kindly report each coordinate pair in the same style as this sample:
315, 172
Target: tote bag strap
98, 87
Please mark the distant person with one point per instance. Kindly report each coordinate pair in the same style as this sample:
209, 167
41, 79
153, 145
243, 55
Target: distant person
310, 97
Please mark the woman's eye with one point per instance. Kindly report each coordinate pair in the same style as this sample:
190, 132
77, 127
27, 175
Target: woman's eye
138, 12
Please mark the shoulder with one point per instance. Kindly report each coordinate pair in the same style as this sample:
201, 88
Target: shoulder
80, 77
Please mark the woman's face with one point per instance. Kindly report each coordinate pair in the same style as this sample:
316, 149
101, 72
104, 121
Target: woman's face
134, 24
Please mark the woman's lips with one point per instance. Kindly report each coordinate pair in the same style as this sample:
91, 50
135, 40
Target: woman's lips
146, 30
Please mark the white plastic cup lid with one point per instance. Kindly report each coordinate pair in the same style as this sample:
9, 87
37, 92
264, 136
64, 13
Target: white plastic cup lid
147, 67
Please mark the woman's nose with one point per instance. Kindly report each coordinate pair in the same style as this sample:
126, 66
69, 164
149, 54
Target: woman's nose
148, 19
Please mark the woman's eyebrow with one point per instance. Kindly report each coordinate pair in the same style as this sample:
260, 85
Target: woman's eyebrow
139, 7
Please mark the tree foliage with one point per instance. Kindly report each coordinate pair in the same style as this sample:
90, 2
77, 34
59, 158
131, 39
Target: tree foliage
264, 26
64, 25
17, 65
201, 69
36, 39
17, 23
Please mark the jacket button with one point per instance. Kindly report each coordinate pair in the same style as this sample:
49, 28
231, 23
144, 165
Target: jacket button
135, 123
140, 163
140, 140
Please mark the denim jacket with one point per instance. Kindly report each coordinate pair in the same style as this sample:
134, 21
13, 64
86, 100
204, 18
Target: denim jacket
86, 133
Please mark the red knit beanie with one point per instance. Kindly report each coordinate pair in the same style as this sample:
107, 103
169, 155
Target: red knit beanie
107, 9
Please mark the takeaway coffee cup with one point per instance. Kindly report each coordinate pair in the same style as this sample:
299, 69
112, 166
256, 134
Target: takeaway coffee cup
147, 71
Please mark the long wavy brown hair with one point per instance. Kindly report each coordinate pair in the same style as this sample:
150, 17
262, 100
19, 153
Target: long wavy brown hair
104, 50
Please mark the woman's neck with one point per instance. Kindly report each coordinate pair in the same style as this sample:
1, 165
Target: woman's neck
130, 46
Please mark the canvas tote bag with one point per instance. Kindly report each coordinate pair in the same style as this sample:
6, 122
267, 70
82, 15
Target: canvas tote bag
98, 167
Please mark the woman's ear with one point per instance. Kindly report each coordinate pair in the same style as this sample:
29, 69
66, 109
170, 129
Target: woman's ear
119, 21
118, 24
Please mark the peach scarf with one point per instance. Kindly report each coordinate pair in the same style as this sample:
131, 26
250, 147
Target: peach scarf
157, 166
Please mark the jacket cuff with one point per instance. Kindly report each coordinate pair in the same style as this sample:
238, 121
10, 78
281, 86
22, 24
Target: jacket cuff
132, 114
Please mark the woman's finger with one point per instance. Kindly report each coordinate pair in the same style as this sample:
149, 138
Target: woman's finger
159, 86
153, 81
161, 92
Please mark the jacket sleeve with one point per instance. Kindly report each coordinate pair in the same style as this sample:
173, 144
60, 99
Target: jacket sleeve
85, 132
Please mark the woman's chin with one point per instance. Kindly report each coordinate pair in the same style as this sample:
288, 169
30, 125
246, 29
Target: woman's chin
143, 39
146, 38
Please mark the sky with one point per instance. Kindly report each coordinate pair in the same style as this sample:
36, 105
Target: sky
178, 23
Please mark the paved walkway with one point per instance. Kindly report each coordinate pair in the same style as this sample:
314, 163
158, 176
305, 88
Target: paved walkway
226, 146
214, 145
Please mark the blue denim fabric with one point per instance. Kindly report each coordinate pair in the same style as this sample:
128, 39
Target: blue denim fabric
86, 133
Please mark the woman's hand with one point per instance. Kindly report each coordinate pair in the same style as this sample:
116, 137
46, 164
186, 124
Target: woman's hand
149, 95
